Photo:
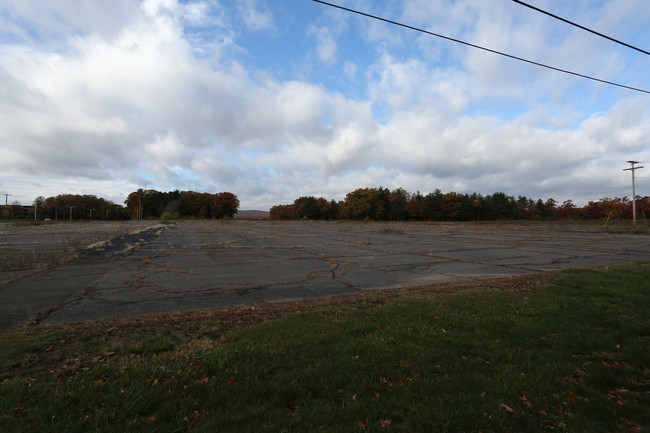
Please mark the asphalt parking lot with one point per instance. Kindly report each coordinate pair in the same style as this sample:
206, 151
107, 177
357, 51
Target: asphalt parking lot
217, 264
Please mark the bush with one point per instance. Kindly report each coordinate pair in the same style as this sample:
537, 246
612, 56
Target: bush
168, 216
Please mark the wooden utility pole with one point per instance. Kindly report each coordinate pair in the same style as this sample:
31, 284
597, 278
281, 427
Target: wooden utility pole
71, 207
632, 169
6, 198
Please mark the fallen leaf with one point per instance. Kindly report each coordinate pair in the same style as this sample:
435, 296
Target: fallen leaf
291, 407
507, 408
385, 422
361, 425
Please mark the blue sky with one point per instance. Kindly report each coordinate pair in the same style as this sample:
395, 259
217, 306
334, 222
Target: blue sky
273, 100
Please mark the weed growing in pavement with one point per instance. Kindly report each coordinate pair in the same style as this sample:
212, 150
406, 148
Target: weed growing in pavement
391, 231
572, 356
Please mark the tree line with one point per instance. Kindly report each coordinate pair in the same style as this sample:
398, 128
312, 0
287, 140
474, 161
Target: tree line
139, 204
66, 206
180, 204
381, 204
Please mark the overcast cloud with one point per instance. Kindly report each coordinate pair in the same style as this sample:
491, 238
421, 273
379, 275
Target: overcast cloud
272, 100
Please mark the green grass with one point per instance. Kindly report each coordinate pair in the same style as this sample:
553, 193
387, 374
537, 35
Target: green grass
573, 356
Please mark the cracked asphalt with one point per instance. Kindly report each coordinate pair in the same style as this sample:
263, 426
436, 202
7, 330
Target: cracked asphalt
216, 264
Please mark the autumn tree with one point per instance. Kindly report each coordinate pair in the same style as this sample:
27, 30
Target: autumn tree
643, 206
153, 204
323, 207
416, 206
10, 211
567, 210
229, 204
399, 205
616, 207
452, 204
281, 212
17, 209
366, 203
526, 208
550, 208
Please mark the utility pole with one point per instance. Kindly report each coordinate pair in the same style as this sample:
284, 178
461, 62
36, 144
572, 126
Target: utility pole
71, 207
632, 169
6, 198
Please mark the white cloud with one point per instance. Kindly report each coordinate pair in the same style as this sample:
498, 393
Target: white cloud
624, 128
256, 16
326, 44
145, 99
350, 70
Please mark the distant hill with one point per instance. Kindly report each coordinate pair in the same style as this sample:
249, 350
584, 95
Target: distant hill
252, 214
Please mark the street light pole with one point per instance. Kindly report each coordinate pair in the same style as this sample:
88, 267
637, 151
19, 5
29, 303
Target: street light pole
632, 169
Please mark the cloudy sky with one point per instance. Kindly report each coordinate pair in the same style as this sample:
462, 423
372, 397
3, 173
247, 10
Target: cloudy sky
275, 99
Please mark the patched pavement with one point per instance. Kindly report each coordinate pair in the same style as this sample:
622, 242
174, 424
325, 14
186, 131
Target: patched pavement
217, 264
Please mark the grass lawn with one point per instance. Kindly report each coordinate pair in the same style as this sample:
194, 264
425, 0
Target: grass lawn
570, 356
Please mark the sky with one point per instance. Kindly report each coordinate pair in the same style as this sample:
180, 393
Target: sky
277, 99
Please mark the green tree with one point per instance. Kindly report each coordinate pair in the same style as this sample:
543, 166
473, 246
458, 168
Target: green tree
398, 201
500, 206
306, 207
433, 206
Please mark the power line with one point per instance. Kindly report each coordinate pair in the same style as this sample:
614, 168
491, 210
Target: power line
581, 27
532, 62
